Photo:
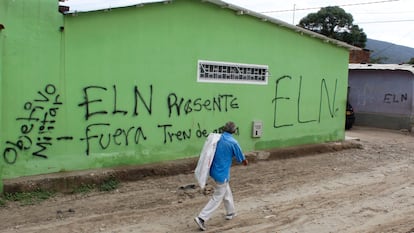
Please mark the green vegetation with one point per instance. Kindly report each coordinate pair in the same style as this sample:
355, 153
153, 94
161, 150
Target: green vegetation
378, 60
2, 202
34, 197
84, 188
109, 185
28, 198
335, 23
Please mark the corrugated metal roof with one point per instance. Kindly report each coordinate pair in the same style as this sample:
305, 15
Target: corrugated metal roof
406, 67
95, 5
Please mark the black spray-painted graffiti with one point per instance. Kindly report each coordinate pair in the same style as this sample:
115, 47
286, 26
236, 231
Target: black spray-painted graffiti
104, 137
36, 126
220, 103
101, 134
186, 134
91, 91
323, 89
392, 98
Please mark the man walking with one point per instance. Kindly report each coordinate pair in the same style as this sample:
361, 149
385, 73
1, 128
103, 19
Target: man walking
227, 148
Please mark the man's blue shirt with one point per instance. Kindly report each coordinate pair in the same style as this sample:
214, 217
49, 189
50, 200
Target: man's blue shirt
227, 147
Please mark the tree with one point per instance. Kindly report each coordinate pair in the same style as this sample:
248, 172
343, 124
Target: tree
411, 61
378, 60
335, 23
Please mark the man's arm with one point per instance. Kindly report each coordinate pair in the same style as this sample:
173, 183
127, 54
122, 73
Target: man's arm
239, 155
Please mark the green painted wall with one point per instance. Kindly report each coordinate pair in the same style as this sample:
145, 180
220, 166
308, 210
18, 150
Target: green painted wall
2, 13
112, 82
31, 53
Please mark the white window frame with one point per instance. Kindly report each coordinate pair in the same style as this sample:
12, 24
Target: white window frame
229, 72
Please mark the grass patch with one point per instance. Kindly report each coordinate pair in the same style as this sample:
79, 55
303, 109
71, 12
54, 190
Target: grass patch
109, 185
37, 196
85, 188
29, 198
2, 202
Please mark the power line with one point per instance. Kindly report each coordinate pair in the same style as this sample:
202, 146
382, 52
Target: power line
383, 13
388, 21
375, 53
344, 5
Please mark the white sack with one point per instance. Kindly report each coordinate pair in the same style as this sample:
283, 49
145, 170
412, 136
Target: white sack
202, 170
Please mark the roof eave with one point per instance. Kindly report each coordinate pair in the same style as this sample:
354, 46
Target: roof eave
239, 10
395, 67
138, 3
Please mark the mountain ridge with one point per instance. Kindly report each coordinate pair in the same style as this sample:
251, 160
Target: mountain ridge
389, 53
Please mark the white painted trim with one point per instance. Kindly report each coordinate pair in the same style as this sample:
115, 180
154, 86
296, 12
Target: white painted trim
233, 81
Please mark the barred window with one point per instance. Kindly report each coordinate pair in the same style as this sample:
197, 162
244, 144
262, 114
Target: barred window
226, 72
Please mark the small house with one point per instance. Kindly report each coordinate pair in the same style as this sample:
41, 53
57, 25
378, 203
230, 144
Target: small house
382, 95
140, 82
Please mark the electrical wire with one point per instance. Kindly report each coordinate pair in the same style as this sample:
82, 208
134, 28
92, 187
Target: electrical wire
387, 21
379, 53
348, 5
344, 5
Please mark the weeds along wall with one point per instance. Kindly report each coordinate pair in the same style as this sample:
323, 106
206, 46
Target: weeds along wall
122, 87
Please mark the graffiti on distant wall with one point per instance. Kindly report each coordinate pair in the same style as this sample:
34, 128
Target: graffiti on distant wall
324, 94
100, 104
393, 98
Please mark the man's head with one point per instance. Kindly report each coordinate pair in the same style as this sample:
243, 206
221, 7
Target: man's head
230, 127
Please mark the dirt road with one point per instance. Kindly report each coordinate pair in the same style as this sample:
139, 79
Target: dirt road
355, 190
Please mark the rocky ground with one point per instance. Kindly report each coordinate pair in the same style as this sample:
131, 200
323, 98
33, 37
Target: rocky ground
366, 189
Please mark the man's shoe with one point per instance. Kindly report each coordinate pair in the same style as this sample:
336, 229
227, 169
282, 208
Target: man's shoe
200, 223
230, 216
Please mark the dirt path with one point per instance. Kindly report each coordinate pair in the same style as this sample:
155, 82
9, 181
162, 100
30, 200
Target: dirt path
356, 190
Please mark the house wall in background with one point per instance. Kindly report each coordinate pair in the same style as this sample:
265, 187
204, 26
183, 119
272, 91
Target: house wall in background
382, 97
120, 87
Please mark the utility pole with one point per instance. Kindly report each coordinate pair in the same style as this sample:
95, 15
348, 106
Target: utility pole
294, 9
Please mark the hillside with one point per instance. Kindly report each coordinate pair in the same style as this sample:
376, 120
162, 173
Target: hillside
392, 53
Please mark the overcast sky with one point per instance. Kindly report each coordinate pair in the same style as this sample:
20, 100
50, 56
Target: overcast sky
386, 20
